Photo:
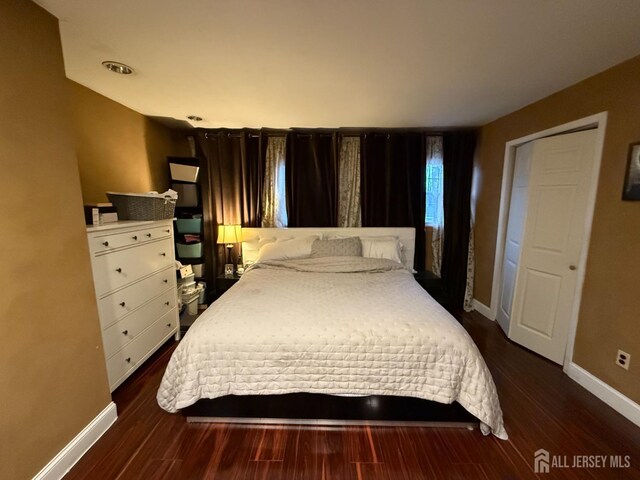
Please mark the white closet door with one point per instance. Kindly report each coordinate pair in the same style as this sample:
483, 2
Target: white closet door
515, 230
554, 229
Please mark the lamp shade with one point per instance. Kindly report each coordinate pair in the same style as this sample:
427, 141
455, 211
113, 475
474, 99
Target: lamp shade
229, 234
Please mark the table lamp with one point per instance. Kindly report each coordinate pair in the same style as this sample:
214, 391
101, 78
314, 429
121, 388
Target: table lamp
229, 235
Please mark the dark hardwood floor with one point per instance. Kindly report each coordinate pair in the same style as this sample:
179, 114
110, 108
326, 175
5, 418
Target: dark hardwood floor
542, 407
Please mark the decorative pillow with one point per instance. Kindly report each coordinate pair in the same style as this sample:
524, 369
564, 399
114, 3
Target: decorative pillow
339, 247
382, 247
287, 249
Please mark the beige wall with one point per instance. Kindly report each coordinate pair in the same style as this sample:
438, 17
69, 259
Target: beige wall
609, 315
52, 372
119, 149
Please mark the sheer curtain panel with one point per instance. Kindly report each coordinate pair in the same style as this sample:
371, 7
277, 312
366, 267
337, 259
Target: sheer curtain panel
349, 211
471, 270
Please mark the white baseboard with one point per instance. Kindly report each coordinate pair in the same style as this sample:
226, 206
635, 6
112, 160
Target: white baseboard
482, 309
609, 395
76, 448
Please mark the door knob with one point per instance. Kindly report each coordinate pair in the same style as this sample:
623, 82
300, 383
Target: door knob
572, 267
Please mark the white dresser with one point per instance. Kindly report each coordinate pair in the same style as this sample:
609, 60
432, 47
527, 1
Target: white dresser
135, 281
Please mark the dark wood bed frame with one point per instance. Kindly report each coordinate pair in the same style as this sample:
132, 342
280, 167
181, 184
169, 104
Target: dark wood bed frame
320, 409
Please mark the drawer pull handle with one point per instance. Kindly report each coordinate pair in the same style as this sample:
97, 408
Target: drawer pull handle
168, 231
122, 304
135, 237
166, 281
128, 359
167, 303
168, 325
163, 254
125, 332
106, 244
148, 235
119, 270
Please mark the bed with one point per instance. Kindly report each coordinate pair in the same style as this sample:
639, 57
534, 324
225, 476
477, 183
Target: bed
344, 327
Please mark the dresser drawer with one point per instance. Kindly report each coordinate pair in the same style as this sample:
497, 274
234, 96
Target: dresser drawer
127, 359
117, 269
115, 306
126, 330
108, 242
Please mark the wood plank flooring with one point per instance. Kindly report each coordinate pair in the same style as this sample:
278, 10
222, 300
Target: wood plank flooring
542, 407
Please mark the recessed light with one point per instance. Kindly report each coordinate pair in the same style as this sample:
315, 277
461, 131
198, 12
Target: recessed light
194, 118
117, 67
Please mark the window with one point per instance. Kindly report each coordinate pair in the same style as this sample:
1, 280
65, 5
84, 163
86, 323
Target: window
434, 183
280, 194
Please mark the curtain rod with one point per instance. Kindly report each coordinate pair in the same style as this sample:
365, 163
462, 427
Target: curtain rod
342, 131
231, 135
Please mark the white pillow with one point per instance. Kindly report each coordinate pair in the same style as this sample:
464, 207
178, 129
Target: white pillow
251, 248
287, 249
382, 247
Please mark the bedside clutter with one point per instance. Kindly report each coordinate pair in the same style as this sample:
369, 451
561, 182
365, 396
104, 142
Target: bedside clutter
191, 294
188, 289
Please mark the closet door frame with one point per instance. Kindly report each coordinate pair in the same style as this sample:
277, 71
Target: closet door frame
597, 121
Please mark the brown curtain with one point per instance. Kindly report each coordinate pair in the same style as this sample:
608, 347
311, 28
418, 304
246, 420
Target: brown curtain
393, 183
457, 160
312, 178
231, 162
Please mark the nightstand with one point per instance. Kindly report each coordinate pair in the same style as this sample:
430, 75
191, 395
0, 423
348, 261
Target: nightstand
433, 286
224, 283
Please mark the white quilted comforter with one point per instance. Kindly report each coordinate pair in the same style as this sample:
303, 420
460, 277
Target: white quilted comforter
338, 325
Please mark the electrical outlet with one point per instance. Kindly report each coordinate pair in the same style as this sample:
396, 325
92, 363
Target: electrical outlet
623, 359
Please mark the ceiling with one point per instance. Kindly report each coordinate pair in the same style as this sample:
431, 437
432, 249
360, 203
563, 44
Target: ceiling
331, 63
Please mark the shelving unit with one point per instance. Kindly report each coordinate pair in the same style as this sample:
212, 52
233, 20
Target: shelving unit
189, 205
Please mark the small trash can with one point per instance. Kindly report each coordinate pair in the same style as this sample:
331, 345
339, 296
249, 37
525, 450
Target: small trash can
190, 299
200, 290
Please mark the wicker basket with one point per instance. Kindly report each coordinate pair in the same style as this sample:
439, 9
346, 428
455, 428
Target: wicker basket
133, 206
